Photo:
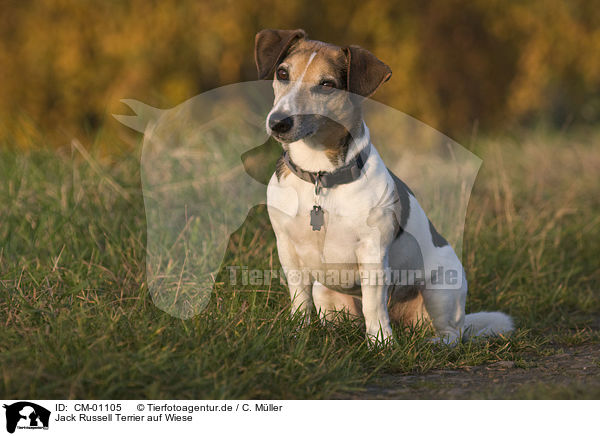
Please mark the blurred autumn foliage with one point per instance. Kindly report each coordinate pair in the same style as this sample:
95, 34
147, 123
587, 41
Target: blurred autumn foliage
65, 64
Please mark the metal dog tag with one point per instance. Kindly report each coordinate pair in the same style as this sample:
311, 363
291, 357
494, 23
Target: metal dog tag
316, 218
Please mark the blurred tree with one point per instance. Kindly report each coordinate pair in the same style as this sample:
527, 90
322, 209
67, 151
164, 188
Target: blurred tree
64, 64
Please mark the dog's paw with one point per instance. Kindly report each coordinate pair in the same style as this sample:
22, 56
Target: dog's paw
301, 319
450, 339
380, 339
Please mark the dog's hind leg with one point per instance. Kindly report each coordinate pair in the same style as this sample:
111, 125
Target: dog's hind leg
331, 304
446, 308
406, 306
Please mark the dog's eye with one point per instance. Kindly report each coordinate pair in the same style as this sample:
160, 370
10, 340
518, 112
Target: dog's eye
326, 86
282, 74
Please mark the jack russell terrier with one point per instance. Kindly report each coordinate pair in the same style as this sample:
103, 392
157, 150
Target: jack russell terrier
338, 212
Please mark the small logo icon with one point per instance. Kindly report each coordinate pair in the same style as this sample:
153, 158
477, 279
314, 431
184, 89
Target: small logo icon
26, 415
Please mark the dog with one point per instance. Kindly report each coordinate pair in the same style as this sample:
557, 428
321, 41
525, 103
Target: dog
337, 210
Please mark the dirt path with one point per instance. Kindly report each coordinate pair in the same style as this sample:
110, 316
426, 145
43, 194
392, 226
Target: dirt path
573, 373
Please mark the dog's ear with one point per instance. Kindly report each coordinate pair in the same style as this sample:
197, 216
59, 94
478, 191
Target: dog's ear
271, 46
366, 73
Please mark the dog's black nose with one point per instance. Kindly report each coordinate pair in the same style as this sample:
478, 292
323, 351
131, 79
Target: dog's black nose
280, 122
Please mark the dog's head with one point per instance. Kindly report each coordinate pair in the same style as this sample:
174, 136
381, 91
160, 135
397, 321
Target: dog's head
318, 86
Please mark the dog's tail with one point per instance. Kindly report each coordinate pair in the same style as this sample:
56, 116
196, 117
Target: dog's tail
487, 324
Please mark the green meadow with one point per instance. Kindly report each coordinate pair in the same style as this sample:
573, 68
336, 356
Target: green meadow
78, 321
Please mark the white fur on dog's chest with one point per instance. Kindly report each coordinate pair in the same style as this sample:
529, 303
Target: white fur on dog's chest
346, 228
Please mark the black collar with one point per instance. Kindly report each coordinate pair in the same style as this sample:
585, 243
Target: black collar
340, 176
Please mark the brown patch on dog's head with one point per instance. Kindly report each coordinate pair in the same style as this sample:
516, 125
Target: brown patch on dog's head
358, 70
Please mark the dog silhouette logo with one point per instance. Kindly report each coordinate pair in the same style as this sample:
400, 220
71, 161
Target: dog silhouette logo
206, 163
26, 415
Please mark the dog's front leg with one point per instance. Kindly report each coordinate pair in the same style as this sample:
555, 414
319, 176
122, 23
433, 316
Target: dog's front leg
373, 272
374, 303
301, 296
373, 263
299, 280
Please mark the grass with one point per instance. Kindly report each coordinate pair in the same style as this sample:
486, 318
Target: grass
78, 321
